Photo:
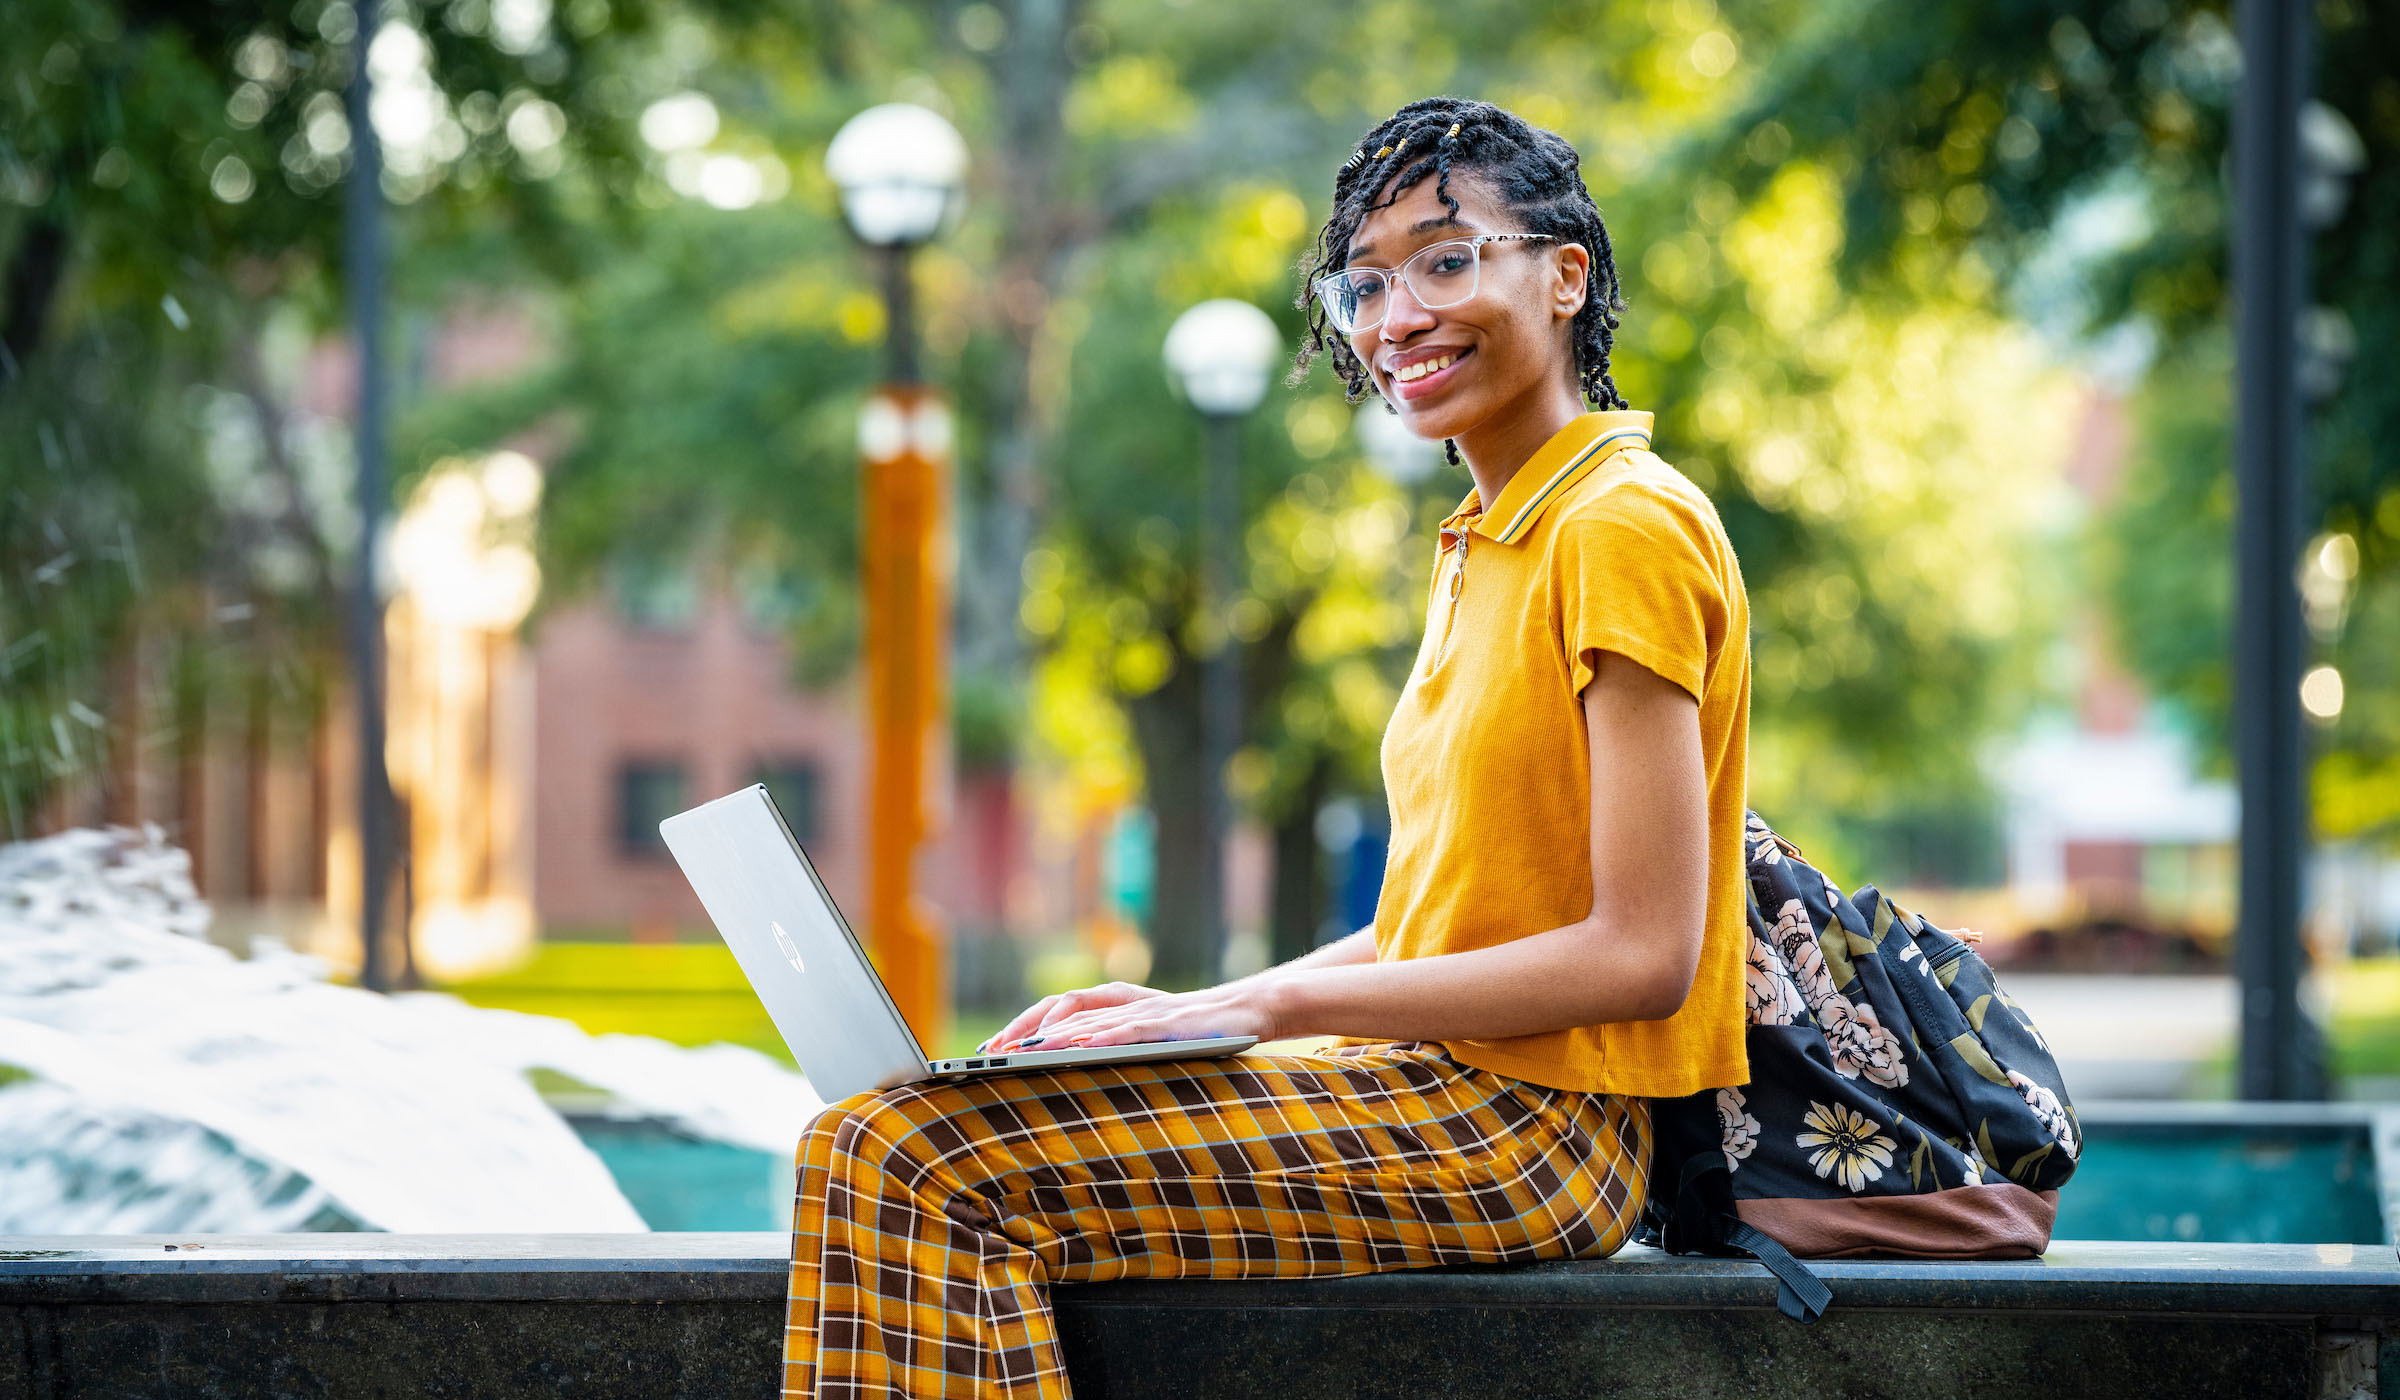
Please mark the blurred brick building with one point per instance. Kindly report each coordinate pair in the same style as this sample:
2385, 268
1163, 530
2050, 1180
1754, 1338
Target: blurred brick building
647, 703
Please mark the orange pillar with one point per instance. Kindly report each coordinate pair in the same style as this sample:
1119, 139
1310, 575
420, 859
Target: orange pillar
905, 437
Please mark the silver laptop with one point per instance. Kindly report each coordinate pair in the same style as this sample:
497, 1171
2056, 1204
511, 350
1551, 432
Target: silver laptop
809, 971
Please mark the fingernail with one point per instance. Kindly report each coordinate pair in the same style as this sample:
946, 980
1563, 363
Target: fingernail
1035, 1041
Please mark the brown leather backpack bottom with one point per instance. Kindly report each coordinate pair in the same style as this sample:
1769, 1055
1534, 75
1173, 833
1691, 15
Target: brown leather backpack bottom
2000, 1220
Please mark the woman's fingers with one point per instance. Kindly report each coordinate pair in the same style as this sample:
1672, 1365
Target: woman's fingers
1108, 1022
1021, 1025
1086, 999
1049, 1022
1130, 1033
1071, 1026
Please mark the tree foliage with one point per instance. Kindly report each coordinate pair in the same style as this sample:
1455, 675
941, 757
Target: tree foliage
1854, 237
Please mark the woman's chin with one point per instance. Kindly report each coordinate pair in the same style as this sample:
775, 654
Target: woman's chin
1438, 431
1434, 427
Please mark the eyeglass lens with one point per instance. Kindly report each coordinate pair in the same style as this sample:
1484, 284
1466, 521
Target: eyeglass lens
1441, 275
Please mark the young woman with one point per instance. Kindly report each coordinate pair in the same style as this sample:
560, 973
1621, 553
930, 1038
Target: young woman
1559, 933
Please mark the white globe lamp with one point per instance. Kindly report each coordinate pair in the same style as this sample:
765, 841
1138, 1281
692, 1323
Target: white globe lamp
902, 172
1221, 353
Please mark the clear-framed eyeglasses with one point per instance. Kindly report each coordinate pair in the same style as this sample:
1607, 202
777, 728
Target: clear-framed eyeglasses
1437, 275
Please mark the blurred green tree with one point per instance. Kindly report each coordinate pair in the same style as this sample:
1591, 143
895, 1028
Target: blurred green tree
1832, 220
2075, 156
169, 221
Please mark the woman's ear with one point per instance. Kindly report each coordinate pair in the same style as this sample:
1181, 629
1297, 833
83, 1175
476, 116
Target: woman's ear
1571, 280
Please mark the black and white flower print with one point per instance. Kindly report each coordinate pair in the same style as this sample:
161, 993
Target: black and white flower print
1768, 994
1739, 1127
1845, 1145
1977, 1169
1796, 939
1845, 1042
2047, 1111
1861, 1043
2030, 1028
1763, 846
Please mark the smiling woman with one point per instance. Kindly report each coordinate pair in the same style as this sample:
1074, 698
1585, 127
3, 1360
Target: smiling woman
1560, 930
1518, 182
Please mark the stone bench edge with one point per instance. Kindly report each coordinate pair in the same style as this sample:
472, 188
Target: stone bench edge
2214, 1279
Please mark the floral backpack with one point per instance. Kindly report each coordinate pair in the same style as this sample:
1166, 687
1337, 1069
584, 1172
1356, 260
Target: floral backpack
1899, 1103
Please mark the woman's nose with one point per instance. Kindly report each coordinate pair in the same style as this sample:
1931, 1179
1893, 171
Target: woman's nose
1403, 314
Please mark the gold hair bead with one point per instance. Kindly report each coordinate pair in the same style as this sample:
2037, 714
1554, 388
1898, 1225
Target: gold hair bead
1382, 153
1453, 131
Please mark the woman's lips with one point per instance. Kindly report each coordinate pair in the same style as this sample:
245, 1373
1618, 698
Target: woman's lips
1418, 388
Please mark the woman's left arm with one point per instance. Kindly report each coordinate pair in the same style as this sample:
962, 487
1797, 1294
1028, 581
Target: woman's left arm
1632, 958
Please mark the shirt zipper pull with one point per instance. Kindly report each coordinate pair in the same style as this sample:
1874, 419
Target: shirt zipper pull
1458, 583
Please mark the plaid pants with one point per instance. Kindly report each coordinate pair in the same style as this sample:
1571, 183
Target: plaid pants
932, 1218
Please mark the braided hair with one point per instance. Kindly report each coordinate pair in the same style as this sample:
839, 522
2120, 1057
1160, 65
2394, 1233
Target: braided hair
1533, 173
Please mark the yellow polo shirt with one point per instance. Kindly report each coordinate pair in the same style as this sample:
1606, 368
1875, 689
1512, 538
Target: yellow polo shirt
1595, 545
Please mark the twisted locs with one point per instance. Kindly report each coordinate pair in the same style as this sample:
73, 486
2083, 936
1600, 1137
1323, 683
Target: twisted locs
1532, 172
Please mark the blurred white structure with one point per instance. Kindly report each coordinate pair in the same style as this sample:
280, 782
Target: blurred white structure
1220, 353
1392, 450
2107, 814
460, 688
159, 1084
902, 171
2088, 807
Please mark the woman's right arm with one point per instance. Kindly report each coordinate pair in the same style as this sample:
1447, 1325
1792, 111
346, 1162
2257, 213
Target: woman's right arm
1341, 952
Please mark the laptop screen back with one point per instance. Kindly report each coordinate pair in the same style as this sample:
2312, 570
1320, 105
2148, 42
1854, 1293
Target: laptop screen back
793, 945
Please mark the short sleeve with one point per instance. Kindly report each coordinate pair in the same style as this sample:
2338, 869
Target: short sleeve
1635, 575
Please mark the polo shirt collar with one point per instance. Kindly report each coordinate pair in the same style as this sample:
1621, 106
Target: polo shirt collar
1566, 458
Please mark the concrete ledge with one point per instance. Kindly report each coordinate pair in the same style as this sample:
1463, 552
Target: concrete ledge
701, 1315
2295, 1279
690, 1267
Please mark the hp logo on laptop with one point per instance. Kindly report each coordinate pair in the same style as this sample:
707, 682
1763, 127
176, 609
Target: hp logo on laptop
783, 941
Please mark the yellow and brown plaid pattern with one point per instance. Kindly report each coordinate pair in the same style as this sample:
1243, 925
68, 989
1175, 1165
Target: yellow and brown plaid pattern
932, 1219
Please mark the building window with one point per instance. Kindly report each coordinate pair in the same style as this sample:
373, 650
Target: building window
653, 593
793, 783
648, 792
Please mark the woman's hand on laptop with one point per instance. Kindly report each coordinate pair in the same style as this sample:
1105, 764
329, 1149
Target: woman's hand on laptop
1147, 1016
1035, 1020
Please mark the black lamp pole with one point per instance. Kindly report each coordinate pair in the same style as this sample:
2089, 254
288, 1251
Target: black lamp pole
1221, 676
899, 314
2280, 1056
363, 272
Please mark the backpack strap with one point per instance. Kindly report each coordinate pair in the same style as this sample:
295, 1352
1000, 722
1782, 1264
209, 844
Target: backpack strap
1701, 1219
1799, 1294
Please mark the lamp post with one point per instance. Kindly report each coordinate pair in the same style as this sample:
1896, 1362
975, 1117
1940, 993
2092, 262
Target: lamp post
2280, 1056
362, 275
901, 170
1220, 354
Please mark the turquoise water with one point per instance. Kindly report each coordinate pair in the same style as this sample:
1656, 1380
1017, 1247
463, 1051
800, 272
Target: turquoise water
2254, 1184
680, 1182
